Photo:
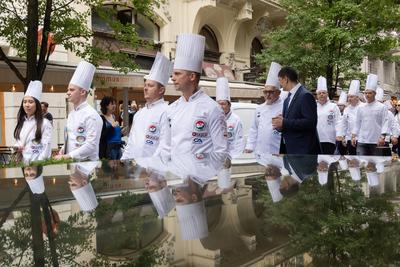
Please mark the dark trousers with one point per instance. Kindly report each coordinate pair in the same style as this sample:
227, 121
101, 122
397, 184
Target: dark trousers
341, 148
114, 151
366, 149
351, 150
327, 148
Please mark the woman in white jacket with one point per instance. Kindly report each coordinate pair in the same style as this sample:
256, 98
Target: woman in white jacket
33, 133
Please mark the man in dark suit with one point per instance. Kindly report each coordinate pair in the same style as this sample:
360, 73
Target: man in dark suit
298, 123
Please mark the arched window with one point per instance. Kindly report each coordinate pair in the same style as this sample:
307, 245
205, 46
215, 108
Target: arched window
211, 52
256, 69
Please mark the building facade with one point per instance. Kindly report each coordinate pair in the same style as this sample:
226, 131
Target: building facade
233, 30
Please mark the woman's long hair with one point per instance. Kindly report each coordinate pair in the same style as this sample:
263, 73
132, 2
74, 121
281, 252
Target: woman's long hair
107, 100
21, 119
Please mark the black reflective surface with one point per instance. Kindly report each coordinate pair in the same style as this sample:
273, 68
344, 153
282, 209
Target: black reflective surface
203, 210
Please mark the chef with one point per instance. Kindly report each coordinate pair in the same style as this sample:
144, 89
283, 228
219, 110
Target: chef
84, 124
233, 122
349, 116
263, 139
371, 121
197, 122
150, 129
33, 132
328, 119
340, 140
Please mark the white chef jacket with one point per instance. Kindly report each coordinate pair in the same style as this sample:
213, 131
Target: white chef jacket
150, 132
371, 122
84, 126
328, 122
263, 139
393, 125
348, 121
235, 134
197, 125
32, 149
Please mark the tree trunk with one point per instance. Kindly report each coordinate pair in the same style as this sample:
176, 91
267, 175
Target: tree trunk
329, 80
31, 42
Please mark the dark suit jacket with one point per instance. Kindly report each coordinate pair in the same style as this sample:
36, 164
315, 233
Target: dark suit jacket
299, 130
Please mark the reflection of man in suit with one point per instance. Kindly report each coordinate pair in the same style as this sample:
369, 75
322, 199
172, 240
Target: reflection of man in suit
298, 123
299, 167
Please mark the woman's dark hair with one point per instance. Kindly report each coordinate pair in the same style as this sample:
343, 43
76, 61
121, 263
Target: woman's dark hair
21, 119
107, 100
290, 73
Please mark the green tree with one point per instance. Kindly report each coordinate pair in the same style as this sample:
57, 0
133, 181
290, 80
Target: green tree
331, 38
20, 21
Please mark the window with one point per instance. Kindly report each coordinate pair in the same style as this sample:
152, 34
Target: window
145, 27
211, 52
373, 66
388, 72
255, 69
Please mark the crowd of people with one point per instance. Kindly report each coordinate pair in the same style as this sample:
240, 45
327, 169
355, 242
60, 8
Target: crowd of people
290, 121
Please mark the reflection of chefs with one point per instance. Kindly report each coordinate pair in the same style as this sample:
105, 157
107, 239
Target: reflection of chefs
191, 211
328, 118
34, 178
197, 122
262, 137
324, 161
273, 166
81, 187
150, 129
84, 124
354, 167
233, 122
159, 192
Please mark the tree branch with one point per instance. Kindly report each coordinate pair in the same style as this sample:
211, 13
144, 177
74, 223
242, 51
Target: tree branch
45, 63
45, 33
4, 57
63, 6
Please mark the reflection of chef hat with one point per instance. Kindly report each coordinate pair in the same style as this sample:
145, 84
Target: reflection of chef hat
342, 98
86, 167
83, 75
354, 88
380, 167
224, 178
355, 173
322, 177
163, 201
272, 78
189, 52
343, 164
34, 90
373, 178
379, 94
222, 89
86, 197
161, 70
321, 86
388, 104
372, 82
273, 187
192, 220
36, 185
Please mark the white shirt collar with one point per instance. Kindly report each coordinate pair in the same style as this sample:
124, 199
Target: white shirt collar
31, 118
151, 105
196, 95
294, 89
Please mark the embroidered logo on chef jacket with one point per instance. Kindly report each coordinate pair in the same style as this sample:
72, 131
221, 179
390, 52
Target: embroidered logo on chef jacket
199, 131
331, 117
153, 134
230, 129
36, 147
80, 136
